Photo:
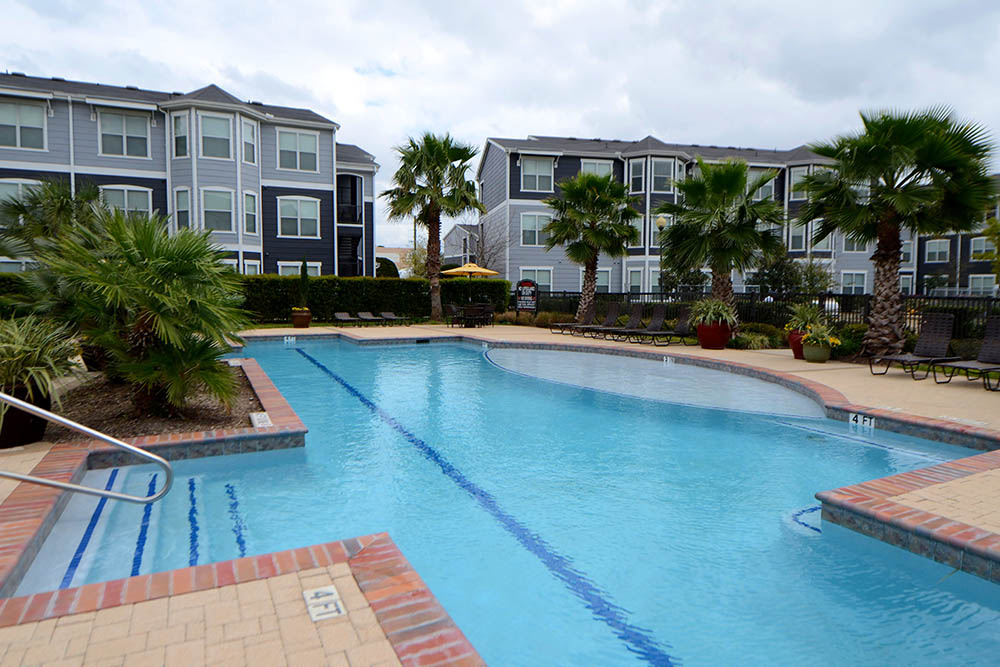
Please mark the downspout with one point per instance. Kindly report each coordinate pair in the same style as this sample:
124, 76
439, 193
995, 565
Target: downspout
506, 249
336, 213
72, 149
168, 128
241, 200
194, 132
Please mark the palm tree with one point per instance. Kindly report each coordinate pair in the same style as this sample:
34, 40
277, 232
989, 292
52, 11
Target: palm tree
721, 221
430, 182
594, 214
43, 211
923, 172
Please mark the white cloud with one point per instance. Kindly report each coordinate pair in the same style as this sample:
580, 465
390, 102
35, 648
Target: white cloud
766, 74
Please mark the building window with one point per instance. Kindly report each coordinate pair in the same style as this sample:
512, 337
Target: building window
767, 190
216, 135
598, 167
13, 189
537, 174
249, 142
298, 217
795, 176
937, 250
128, 199
542, 278
217, 210
603, 281
295, 268
984, 284
249, 213
663, 175
533, 228
232, 263
852, 282
297, 150
637, 175
180, 135
906, 284
22, 125
182, 208
906, 252
654, 281
639, 224
635, 281
982, 248
251, 267
821, 244
852, 245
124, 134
797, 236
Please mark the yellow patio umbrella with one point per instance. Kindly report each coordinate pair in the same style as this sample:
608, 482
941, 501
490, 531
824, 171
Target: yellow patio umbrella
469, 270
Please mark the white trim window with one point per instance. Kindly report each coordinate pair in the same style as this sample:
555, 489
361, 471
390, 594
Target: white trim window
298, 217
640, 226
906, 252
603, 277
179, 124
13, 188
128, 198
937, 251
853, 282
906, 284
251, 267
23, 125
596, 167
533, 228
542, 275
654, 281
249, 141
216, 136
295, 268
795, 176
851, 245
981, 246
182, 208
232, 263
820, 244
635, 281
637, 175
217, 210
250, 213
663, 175
796, 236
767, 190
982, 284
298, 150
537, 174
123, 134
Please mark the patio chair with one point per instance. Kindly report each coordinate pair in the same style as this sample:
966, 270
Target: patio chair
634, 320
392, 318
345, 318
614, 310
651, 329
566, 327
932, 347
489, 310
367, 317
682, 331
452, 315
986, 363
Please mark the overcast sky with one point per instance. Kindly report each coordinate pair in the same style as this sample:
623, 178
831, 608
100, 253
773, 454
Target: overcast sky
772, 74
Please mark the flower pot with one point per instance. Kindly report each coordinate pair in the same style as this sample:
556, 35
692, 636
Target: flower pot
795, 342
19, 427
816, 354
714, 336
301, 319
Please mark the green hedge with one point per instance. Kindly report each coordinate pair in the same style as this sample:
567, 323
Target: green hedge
269, 298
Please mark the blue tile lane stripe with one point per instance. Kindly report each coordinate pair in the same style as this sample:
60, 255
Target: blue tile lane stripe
87, 534
234, 514
140, 542
637, 640
193, 520
797, 518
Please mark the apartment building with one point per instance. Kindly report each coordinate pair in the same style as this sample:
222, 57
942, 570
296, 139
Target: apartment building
271, 183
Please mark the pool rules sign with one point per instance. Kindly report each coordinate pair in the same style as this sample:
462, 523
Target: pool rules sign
526, 296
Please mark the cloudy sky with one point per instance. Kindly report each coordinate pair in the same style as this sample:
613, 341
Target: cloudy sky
772, 74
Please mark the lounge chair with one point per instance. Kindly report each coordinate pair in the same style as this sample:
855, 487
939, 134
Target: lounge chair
987, 362
651, 329
682, 331
614, 310
366, 316
345, 318
566, 327
932, 347
634, 320
452, 315
391, 317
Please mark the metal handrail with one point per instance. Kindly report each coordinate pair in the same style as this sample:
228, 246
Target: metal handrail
62, 421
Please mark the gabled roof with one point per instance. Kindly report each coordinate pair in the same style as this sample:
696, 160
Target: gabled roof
352, 153
210, 93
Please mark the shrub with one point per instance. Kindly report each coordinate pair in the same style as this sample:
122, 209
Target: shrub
33, 353
851, 337
385, 268
967, 348
750, 341
711, 311
545, 319
776, 337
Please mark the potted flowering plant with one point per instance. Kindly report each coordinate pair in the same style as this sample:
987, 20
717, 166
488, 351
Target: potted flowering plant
301, 315
804, 316
817, 344
714, 320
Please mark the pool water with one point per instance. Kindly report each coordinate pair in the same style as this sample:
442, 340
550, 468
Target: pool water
562, 525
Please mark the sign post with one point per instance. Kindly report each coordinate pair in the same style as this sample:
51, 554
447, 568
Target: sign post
526, 296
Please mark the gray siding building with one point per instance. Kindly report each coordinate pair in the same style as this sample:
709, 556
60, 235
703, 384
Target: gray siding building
271, 183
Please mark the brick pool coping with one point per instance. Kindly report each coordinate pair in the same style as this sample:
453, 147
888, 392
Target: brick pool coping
29, 512
419, 629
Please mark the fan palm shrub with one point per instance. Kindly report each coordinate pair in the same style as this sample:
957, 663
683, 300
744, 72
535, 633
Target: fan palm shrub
45, 210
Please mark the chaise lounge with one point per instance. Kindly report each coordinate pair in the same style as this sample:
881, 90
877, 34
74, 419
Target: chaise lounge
681, 331
634, 320
345, 318
566, 327
366, 316
987, 363
931, 348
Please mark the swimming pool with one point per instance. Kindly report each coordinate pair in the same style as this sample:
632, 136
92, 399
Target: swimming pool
560, 524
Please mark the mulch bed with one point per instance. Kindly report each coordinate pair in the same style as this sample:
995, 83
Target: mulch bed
108, 408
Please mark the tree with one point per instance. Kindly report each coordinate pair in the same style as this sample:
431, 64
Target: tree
594, 214
720, 221
815, 277
45, 210
385, 268
778, 273
431, 181
923, 172
671, 281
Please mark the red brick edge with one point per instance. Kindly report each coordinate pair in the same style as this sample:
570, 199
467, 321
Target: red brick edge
29, 511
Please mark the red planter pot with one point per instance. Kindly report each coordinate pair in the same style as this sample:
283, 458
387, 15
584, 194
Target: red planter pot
19, 427
714, 336
795, 342
301, 319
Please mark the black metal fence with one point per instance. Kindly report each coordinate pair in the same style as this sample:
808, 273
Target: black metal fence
970, 312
